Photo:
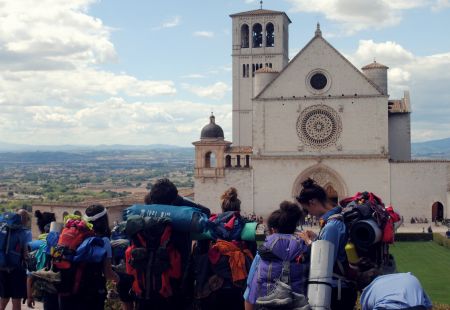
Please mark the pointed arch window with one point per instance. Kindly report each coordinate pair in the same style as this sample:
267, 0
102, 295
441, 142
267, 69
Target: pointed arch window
257, 35
244, 36
270, 35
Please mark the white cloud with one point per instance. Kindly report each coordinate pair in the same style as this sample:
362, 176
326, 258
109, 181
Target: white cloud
441, 5
354, 16
170, 23
194, 76
427, 78
114, 120
214, 91
204, 34
50, 82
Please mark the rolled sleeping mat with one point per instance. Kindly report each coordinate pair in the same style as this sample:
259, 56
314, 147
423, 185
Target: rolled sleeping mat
364, 233
320, 275
184, 219
35, 244
248, 233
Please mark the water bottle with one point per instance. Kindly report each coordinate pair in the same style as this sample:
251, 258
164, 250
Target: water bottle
352, 255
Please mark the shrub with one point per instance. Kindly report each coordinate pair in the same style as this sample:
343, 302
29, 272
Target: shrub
441, 240
413, 237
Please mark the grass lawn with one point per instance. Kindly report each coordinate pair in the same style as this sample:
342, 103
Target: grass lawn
429, 262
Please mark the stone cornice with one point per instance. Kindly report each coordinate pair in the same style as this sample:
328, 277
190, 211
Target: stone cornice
413, 161
306, 98
318, 157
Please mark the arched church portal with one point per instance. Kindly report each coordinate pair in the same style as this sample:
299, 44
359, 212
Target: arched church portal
437, 211
326, 177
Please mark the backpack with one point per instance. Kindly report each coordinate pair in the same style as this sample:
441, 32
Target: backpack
151, 258
226, 226
12, 239
369, 226
37, 258
225, 261
73, 234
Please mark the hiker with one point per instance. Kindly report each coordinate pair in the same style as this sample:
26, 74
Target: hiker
391, 291
279, 272
221, 265
39, 259
164, 192
26, 223
43, 220
93, 291
314, 200
13, 251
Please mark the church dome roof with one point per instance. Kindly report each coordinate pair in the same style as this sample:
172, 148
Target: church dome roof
374, 65
212, 130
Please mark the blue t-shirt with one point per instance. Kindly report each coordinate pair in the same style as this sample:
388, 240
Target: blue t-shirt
394, 291
250, 294
335, 232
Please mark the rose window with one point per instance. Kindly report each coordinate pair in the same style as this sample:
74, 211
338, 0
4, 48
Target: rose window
319, 126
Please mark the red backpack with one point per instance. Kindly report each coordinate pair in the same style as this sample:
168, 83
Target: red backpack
73, 234
151, 258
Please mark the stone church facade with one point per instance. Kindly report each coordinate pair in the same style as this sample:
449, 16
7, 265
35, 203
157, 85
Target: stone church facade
314, 116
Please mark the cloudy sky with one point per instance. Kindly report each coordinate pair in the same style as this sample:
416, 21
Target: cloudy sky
142, 72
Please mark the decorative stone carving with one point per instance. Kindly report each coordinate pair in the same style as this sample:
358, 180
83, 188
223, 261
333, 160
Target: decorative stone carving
319, 126
324, 176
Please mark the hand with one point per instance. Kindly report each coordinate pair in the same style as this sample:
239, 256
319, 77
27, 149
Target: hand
30, 302
307, 236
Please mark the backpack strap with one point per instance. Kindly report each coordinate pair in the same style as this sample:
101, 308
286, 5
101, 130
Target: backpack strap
286, 272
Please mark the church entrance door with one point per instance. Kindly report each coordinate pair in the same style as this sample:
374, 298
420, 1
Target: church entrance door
326, 177
437, 212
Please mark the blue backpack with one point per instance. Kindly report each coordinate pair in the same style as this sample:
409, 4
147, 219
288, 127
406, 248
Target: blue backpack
12, 240
91, 250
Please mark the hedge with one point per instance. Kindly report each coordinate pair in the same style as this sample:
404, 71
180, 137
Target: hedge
441, 240
413, 237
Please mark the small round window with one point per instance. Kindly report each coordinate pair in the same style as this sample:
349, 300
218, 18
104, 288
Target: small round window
318, 81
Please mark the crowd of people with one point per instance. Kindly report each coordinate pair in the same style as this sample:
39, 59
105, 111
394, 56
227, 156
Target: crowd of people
184, 271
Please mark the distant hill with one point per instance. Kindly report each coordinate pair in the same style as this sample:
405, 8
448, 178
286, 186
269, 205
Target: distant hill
431, 149
10, 147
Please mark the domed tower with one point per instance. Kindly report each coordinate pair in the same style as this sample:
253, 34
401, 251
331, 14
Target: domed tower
377, 73
210, 151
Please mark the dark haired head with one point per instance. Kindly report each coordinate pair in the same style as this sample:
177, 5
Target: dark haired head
162, 192
286, 218
230, 202
367, 272
101, 225
44, 219
311, 190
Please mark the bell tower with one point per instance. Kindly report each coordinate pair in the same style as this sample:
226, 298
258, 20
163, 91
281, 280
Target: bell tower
260, 39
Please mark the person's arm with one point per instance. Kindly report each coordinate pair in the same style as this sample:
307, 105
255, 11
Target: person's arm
107, 266
108, 272
30, 299
249, 306
250, 294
